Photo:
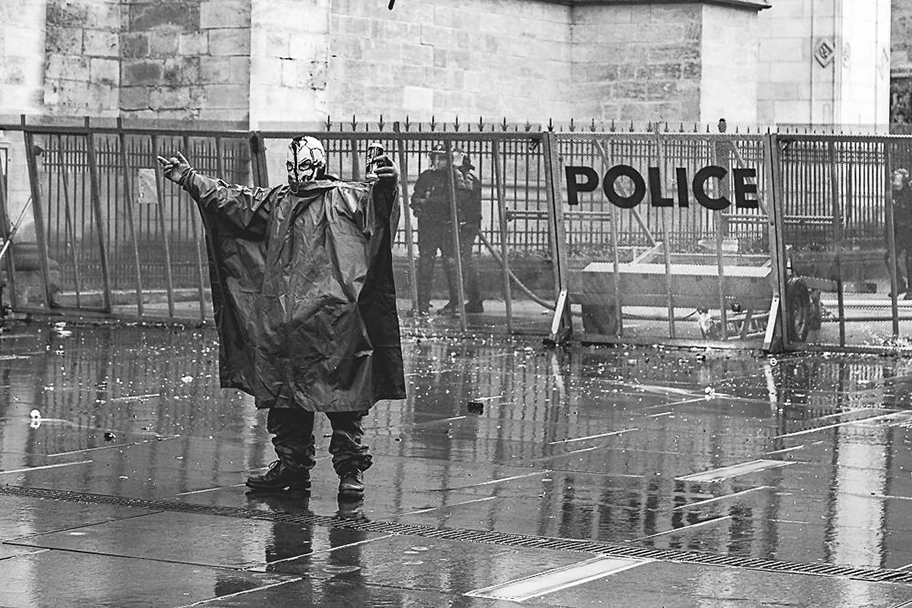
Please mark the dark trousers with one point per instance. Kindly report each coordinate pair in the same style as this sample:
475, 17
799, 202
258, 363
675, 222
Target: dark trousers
432, 235
467, 235
294, 440
903, 241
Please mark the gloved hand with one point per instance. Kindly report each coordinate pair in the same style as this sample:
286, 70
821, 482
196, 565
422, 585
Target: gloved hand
386, 169
176, 168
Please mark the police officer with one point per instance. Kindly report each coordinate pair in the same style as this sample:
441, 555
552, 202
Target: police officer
431, 205
902, 229
468, 208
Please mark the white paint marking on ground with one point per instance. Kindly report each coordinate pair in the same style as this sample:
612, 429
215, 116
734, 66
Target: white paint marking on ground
838, 424
784, 450
886, 496
503, 479
112, 446
47, 466
718, 498
557, 579
240, 593
263, 568
611, 434
239, 485
685, 528
735, 470
134, 397
458, 504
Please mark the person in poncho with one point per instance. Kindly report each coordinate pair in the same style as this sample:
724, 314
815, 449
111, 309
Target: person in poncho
305, 304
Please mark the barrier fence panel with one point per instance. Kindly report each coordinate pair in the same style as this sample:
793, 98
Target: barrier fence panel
667, 237
114, 237
117, 237
655, 237
510, 259
845, 232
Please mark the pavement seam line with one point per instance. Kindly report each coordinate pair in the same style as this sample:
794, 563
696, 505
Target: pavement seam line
624, 550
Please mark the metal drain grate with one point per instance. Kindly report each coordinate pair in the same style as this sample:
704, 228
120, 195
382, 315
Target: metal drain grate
476, 536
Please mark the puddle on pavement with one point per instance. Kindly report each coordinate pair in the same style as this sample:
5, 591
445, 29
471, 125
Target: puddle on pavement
606, 434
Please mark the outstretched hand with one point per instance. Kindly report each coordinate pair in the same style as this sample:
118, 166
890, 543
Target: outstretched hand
175, 168
386, 169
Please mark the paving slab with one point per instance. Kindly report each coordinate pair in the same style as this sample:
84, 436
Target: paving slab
725, 478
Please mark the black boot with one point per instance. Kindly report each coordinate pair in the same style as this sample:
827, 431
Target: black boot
279, 477
351, 483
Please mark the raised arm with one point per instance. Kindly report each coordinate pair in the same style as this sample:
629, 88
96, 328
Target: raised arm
247, 208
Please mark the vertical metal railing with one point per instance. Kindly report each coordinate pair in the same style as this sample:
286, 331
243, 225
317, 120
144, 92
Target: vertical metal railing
122, 255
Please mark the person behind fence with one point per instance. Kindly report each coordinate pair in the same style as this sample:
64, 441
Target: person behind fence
468, 207
431, 205
902, 230
305, 305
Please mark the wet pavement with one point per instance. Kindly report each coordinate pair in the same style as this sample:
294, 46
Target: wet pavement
512, 475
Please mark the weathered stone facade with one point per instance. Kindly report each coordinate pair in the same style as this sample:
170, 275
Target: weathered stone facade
636, 63
901, 64
825, 62
280, 62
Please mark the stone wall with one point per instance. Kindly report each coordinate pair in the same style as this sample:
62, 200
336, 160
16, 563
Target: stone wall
788, 72
186, 59
865, 70
729, 66
825, 62
442, 59
82, 57
289, 61
901, 62
637, 62
22, 48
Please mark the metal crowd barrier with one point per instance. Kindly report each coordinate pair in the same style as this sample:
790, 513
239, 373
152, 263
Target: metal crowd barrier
776, 241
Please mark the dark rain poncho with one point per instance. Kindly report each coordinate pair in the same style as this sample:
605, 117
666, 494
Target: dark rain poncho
303, 292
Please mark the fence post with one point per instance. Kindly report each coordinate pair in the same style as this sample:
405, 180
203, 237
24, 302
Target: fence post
407, 217
128, 206
5, 228
558, 237
37, 210
502, 215
258, 160
99, 216
454, 218
669, 288
778, 259
837, 233
891, 240
159, 187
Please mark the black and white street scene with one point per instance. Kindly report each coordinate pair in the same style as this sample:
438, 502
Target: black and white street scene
417, 303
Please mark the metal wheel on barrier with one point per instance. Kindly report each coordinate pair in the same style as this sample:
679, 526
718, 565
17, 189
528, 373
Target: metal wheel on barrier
799, 308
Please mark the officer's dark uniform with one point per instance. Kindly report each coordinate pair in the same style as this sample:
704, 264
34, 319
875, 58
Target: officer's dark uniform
431, 205
468, 204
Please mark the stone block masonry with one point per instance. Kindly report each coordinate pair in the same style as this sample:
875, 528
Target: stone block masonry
271, 63
82, 46
186, 59
437, 58
638, 63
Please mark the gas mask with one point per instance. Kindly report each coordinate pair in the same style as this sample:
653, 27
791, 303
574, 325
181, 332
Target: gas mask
305, 160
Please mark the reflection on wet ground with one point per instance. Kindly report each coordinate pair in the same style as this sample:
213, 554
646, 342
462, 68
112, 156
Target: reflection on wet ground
797, 458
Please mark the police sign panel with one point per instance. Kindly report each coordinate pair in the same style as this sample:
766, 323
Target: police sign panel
585, 179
